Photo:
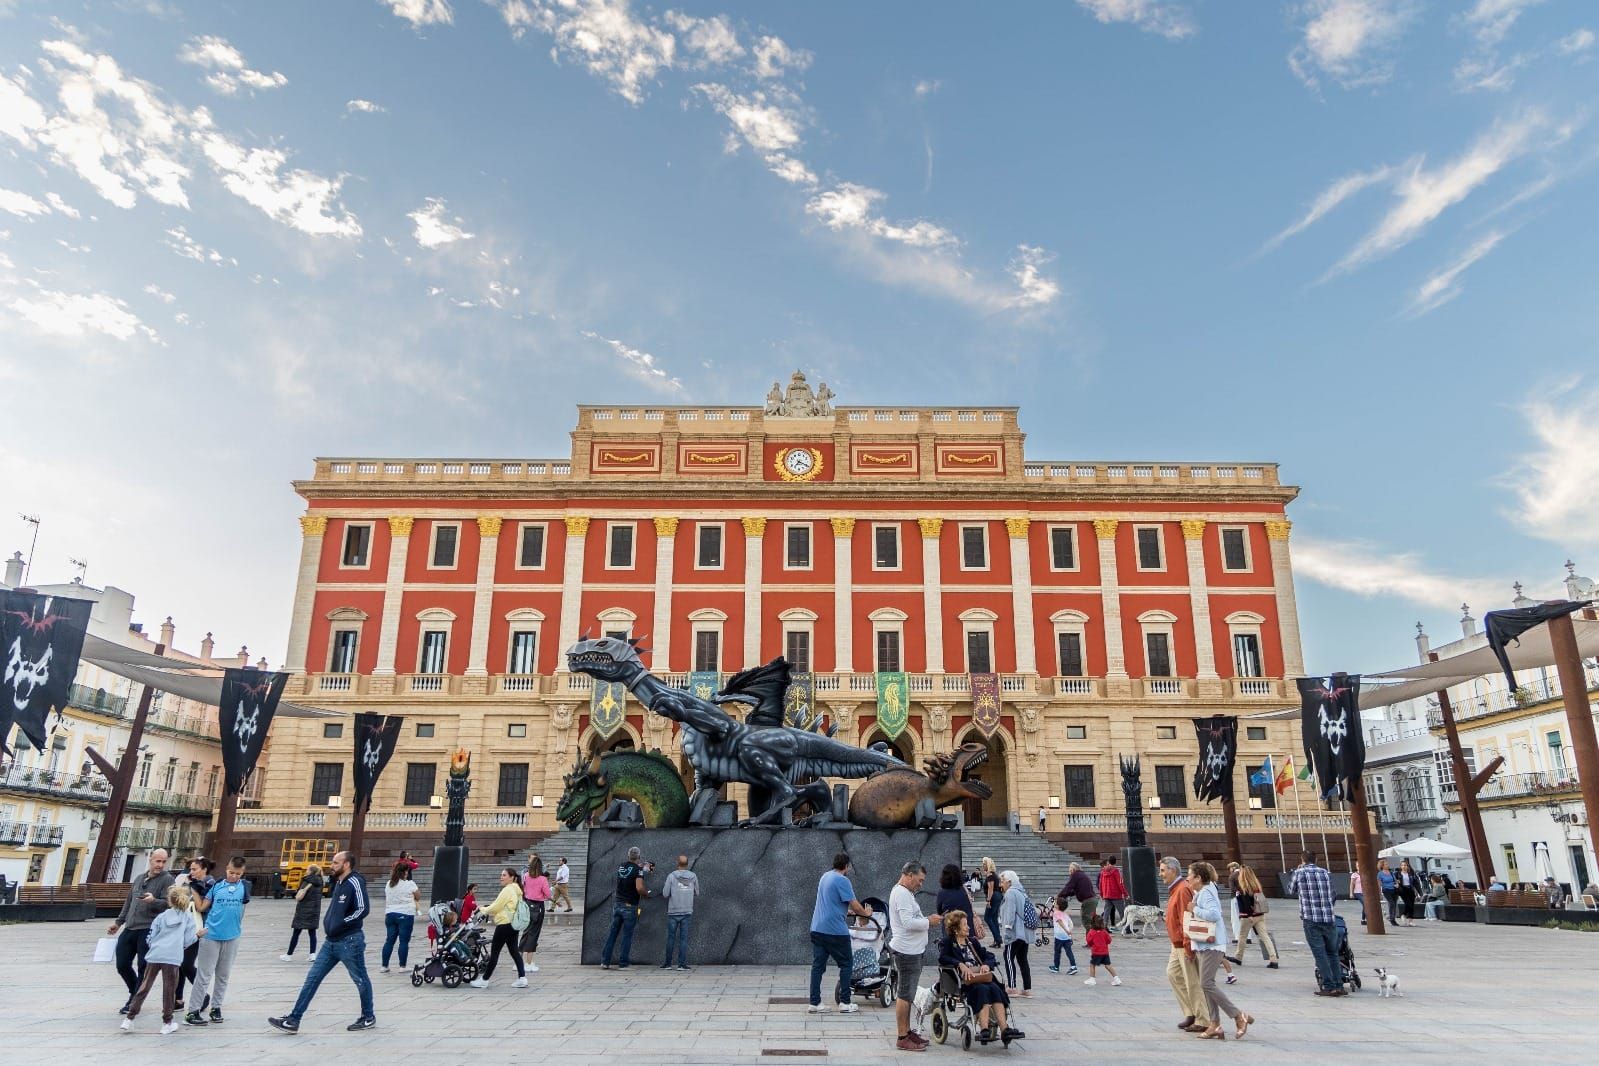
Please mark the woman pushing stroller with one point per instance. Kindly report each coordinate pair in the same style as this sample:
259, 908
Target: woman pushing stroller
980, 986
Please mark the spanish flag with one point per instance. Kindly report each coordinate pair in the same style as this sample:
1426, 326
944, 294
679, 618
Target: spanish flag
1285, 776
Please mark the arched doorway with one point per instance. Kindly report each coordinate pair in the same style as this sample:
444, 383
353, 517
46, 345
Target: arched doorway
995, 773
900, 746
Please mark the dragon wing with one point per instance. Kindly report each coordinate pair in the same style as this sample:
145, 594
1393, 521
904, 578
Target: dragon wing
761, 687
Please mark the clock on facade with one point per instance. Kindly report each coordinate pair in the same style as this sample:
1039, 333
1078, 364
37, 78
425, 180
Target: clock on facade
798, 464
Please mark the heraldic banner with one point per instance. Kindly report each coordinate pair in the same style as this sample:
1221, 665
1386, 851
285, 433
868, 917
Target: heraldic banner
798, 699
1218, 751
985, 703
608, 707
41, 638
375, 737
703, 684
893, 704
249, 700
1329, 725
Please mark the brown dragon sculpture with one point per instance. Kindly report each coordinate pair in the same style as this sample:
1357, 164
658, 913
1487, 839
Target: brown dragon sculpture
901, 798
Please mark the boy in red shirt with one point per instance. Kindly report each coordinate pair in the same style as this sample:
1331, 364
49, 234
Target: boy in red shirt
1098, 939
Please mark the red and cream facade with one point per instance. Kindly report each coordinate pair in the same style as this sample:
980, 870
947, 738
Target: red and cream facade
1115, 601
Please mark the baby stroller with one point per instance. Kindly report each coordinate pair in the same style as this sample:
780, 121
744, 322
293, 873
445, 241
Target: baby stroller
1346, 955
873, 975
1046, 924
461, 952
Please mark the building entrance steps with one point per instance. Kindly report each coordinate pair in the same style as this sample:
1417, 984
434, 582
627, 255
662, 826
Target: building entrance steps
1040, 863
485, 872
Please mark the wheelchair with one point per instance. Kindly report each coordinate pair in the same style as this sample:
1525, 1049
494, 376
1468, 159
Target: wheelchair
949, 1012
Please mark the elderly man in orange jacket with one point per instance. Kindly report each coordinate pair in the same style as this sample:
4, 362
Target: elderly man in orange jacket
1182, 969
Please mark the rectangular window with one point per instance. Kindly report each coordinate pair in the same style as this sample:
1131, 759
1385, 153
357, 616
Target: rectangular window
885, 547
888, 659
425, 730
1170, 787
1062, 548
1149, 548
621, 553
524, 652
1158, 648
434, 643
797, 649
419, 783
1079, 786
979, 656
1077, 732
513, 784
192, 782
530, 553
357, 545
144, 771
1234, 549
1246, 655
1512, 868
974, 547
710, 546
344, 644
326, 780
1255, 732
1267, 792
1165, 732
799, 548
1377, 796
446, 538
1071, 654
516, 730
332, 730
707, 650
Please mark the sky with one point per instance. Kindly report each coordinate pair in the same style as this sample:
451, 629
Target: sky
1353, 237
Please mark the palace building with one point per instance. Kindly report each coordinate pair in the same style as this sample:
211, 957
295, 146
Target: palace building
1115, 602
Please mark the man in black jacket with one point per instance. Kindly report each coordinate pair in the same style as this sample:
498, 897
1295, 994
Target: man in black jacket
344, 942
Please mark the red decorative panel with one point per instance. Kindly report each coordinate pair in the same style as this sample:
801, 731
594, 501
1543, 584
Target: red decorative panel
713, 457
625, 457
885, 459
971, 459
798, 461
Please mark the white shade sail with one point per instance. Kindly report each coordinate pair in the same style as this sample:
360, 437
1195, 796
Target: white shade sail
1531, 651
204, 688
1423, 848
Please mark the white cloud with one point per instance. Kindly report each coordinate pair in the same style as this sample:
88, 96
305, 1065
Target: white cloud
850, 206
1033, 289
641, 365
603, 35
80, 249
1170, 20
1350, 41
179, 241
299, 199
1490, 20
1486, 71
790, 169
21, 204
365, 107
1444, 286
76, 315
927, 87
21, 116
60, 205
1579, 40
1554, 484
1331, 197
712, 39
228, 71
421, 12
159, 293
433, 230
774, 58
1367, 571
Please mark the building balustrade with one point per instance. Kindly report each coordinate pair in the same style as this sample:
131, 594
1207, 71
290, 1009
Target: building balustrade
78, 786
425, 684
1331, 821
1184, 820
1246, 688
1092, 820
97, 700
14, 833
1503, 786
136, 838
163, 799
43, 835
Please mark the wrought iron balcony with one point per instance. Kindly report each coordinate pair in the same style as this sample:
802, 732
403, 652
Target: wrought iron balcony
89, 787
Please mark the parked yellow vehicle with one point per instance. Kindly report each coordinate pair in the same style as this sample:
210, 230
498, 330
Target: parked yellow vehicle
296, 856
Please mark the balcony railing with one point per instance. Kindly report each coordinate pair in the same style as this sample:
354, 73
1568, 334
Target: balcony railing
318, 819
1331, 821
1532, 693
1191, 820
1124, 473
14, 833
46, 836
1077, 686
517, 684
136, 838
1092, 820
56, 783
169, 800
1502, 786
335, 682
1246, 688
98, 700
423, 684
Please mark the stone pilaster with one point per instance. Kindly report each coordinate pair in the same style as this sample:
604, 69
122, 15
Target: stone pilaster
1208, 685
660, 641
1021, 585
1116, 679
933, 592
577, 528
312, 527
477, 664
843, 598
1282, 579
754, 538
393, 592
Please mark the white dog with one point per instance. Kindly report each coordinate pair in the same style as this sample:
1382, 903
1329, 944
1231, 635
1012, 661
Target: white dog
1387, 984
1139, 920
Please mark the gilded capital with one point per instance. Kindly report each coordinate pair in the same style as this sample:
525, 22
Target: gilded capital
666, 527
1277, 529
1017, 527
400, 524
1105, 528
754, 527
931, 527
488, 525
313, 525
1193, 528
843, 527
577, 525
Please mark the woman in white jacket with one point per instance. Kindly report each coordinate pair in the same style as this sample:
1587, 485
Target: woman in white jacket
1013, 931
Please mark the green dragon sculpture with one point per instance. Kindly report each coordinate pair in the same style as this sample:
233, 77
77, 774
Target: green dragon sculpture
646, 778
901, 798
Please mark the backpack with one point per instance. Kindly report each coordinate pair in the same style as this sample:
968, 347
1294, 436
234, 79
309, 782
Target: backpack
1030, 916
523, 916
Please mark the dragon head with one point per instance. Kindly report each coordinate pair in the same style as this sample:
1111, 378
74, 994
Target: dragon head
608, 658
585, 792
953, 769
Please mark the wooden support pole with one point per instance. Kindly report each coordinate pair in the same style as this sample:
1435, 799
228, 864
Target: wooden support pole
121, 786
1467, 790
222, 838
1366, 858
1579, 716
1229, 817
357, 832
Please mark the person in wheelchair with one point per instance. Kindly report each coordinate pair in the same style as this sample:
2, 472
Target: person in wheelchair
980, 987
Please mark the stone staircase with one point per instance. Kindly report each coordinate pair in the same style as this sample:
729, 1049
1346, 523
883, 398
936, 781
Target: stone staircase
1039, 863
574, 845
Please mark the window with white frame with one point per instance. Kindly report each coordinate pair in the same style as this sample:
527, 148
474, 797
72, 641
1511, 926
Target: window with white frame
530, 545
1245, 629
341, 657
1063, 547
619, 553
446, 545
708, 544
1158, 657
888, 628
1069, 626
797, 546
434, 640
357, 551
799, 628
1377, 796
522, 655
977, 626
885, 547
1151, 551
617, 622
706, 625
974, 547
1235, 549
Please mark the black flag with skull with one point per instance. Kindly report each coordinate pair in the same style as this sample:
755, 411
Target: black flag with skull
1329, 724
1218, 750
249, 700
375, 737
41, 638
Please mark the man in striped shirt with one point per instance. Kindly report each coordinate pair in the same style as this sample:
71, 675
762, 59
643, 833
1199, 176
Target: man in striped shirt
1313, 886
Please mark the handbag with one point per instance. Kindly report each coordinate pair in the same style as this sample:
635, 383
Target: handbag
1198, 930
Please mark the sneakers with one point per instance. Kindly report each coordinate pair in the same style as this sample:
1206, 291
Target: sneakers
682, 969
194, 1017
1054, 969
1072, 972
285, 958
216, 1015
127, 1025
605, 966
1090, 981
125, 1005
1115, 980
1232, 979
847, 1008
168, 1028
384, 970
817, 1008
1272, 965
520, 982
359, 1024
285, 1024
532, 967
909, 1043
481, 982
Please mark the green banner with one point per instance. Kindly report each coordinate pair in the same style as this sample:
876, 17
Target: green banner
893, 704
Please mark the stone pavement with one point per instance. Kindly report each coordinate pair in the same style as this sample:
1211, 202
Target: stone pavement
1495, 994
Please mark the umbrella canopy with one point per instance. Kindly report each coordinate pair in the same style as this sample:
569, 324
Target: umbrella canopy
1422, 848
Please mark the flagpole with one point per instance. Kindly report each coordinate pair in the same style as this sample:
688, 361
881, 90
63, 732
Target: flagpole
1282, 855
1299, 813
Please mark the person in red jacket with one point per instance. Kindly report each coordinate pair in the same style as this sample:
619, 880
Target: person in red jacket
1099, 951
1113, 890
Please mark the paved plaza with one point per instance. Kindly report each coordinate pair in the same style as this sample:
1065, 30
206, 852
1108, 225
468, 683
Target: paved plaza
1478, 993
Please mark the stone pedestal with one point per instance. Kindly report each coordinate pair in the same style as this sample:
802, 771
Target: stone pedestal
450, 872
1143, 883
757, 886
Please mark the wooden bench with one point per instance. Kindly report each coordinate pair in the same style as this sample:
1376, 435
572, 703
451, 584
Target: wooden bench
106, 897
